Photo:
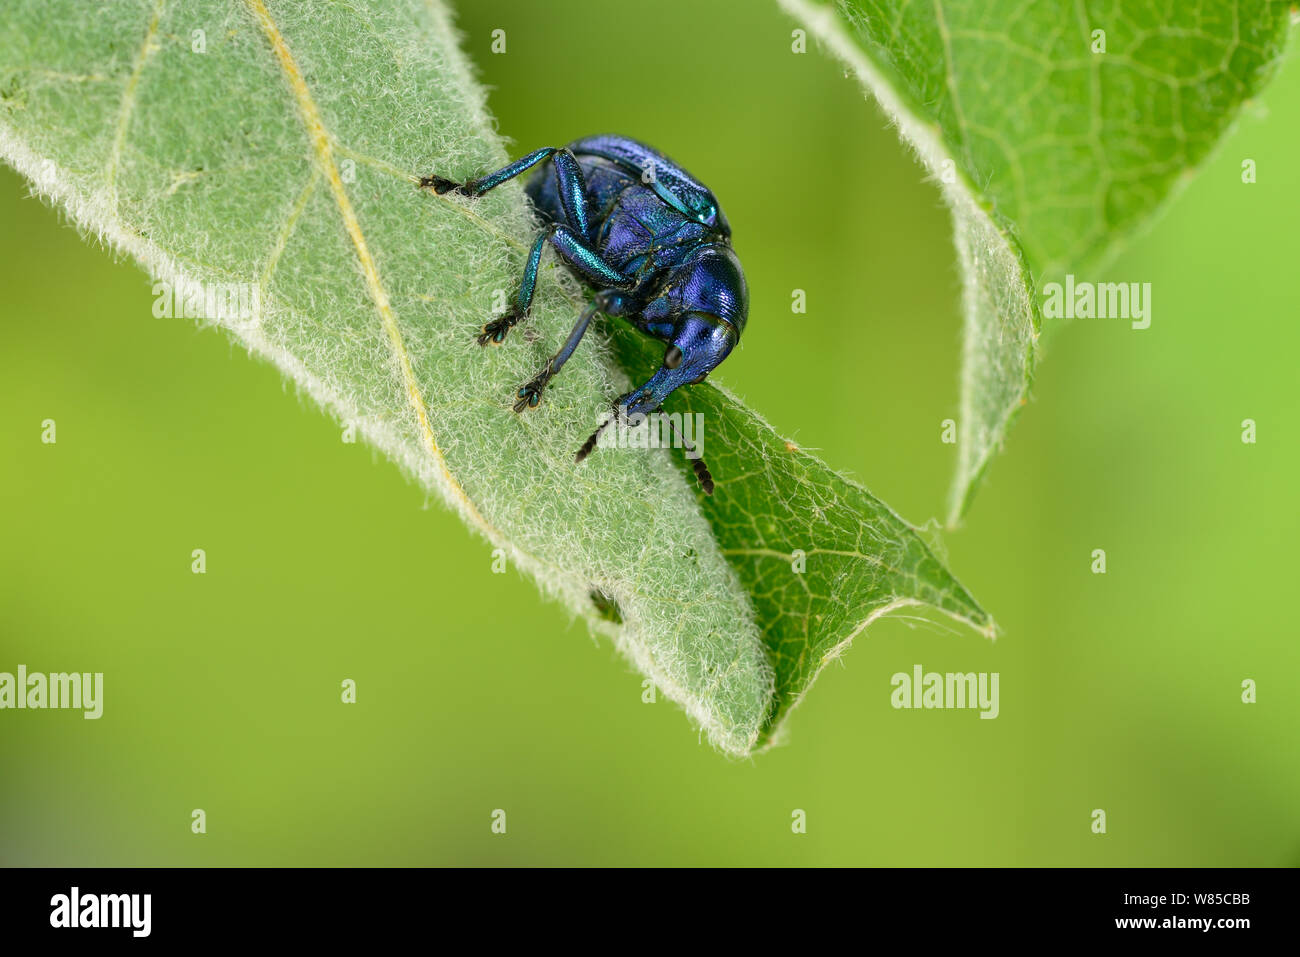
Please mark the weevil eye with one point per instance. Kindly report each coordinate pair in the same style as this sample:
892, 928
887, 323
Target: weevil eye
672, 358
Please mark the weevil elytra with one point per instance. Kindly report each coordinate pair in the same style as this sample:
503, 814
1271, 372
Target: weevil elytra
650, 241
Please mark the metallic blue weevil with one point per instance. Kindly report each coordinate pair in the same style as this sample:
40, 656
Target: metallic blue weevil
652, 243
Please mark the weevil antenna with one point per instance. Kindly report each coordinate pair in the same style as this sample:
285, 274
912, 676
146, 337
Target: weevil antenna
590, 444
702, 472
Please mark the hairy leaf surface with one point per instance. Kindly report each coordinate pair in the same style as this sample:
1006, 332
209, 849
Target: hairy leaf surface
1055, 128
276, 147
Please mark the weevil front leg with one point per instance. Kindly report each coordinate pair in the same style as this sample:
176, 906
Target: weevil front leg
530, 393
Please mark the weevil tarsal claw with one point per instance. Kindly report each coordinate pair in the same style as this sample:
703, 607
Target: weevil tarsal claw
495, 332
530, 393
442, 186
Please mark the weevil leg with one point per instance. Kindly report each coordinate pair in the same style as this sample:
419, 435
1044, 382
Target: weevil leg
573, 194
585, 260
530, 393
495, 331
477, 187
568, 178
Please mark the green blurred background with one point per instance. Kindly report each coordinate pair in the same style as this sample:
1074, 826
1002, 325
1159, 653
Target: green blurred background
1118, 691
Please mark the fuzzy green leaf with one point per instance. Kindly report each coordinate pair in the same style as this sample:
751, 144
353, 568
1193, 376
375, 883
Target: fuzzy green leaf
279, 146
1055, 129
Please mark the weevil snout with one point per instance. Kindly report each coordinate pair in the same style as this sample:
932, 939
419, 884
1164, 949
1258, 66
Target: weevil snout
700, 343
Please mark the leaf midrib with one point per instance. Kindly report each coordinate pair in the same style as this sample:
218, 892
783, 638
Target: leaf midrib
322, 145
324, 157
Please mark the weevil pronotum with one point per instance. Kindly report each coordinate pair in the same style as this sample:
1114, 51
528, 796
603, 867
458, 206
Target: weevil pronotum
652, 243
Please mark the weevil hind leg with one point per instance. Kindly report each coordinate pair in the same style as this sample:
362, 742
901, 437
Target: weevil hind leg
477, 187
569, 182
442, 186
573, 239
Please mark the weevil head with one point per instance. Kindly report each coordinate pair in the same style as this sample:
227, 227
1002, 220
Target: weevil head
712, 303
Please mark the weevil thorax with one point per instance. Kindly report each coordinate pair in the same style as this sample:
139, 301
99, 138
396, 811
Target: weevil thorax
709, 298
713, 284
